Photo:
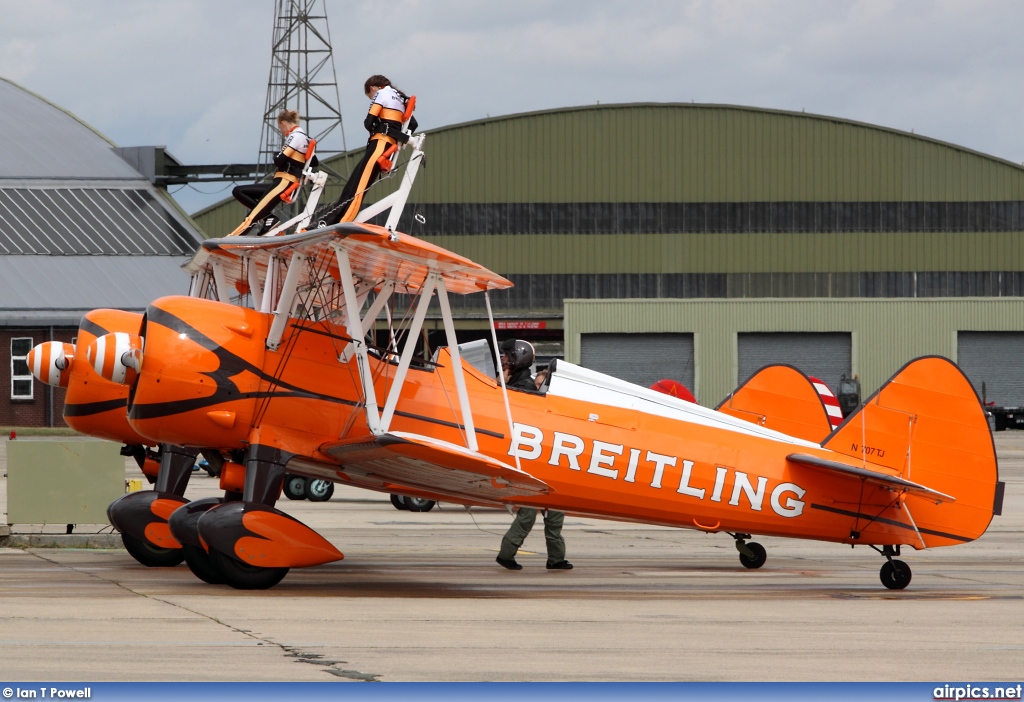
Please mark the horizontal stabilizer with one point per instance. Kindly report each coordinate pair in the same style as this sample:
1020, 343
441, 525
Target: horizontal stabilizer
432, 465
890, 482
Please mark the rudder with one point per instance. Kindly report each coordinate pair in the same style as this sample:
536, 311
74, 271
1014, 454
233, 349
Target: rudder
927, 424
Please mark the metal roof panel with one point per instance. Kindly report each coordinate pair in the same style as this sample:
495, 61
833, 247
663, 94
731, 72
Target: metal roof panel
44, 141
36, 285
89, 220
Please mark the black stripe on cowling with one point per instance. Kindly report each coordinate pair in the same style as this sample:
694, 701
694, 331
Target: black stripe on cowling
89, 326
87, 409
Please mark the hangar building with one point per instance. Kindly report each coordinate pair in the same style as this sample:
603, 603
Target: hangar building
79, 229
662, 220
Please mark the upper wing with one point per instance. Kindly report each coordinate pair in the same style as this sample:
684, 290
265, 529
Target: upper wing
375, 254
432, 465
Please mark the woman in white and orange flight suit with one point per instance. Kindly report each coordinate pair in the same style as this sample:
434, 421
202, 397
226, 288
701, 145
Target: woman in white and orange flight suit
262, 198
384, 122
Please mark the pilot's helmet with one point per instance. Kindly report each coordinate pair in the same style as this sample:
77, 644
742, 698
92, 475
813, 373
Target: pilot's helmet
516, 353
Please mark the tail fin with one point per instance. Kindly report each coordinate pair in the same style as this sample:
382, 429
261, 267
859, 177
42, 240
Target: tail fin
928, 425
782, 398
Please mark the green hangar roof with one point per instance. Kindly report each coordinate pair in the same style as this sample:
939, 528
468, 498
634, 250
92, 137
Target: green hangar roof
687, 200
700, 153
653, 153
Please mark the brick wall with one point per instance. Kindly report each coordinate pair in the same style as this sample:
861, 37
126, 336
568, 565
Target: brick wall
34, 412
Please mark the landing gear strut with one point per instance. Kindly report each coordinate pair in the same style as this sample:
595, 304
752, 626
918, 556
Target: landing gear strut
895, 574
264, 479
752, 554
141, 517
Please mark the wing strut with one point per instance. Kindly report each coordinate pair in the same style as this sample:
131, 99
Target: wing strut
285, 301
253, 277
460, 379
371, 316
355, 328
221, 281
379, 421
411, 337
501, 377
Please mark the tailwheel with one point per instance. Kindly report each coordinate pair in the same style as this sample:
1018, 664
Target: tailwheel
149, 555
243, 576
201, 565
895, 574
758, 557
752, 554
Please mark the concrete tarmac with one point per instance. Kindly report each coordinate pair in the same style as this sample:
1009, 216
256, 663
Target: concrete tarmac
419, 597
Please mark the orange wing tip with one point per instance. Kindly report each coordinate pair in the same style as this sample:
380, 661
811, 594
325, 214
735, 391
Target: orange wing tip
282, 542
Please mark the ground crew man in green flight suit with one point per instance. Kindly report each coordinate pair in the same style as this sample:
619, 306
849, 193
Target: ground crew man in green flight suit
516, 359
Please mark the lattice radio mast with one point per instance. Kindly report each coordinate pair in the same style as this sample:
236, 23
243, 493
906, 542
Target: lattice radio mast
302, 77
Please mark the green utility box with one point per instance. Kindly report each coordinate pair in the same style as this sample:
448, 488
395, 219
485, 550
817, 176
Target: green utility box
62, 482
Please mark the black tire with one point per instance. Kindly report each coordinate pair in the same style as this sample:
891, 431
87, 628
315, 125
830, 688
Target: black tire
760, 556
201, 565
895, 575
243, 576
318, 490
294, 487
419, 504
398, 501
151, 556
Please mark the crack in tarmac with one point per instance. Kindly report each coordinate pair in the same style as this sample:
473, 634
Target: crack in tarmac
289, 651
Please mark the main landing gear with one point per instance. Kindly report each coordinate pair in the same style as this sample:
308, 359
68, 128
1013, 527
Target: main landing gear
246, 542
895, 574
752, 554
141, 517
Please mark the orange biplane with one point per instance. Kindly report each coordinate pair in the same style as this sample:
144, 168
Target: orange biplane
292, 384
266, 368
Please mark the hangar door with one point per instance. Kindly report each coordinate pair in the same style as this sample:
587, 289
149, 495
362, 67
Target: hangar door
643, 359
824, 355
996, 359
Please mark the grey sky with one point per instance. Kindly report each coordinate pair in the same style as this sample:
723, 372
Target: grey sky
191, 74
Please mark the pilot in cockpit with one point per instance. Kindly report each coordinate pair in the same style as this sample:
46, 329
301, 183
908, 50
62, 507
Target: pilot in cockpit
516, 359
